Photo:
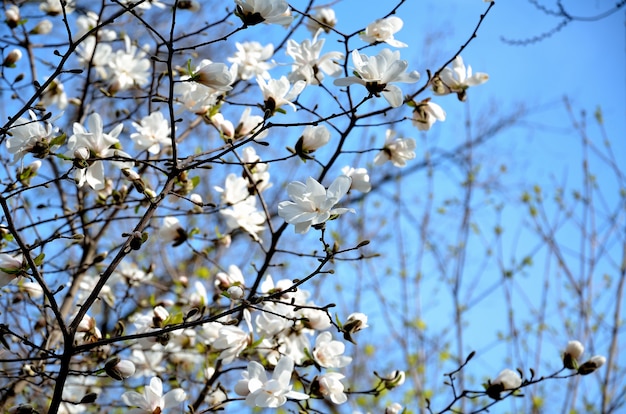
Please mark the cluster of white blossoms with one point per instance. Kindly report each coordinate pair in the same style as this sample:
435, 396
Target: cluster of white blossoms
511, 381
283, 334
293, 332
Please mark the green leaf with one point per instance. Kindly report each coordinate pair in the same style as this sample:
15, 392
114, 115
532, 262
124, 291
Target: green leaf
60, 140
39, 259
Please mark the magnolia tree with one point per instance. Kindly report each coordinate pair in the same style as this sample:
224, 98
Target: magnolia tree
180, 178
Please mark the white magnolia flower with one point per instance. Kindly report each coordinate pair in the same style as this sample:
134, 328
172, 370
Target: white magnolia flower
573, 351
251, 60
395, 379
253, 12
216, 76
87, 330
325, 19
246, 216
382, 30
232, 340
152, 400
225, 280
42, 28
30, 135
426, 113
355, 322
259, 177
12, 16
279, 92
33, 289
93, 53
312, 204
148, 362
249, 125
87, 146
129, 68
54, 94
314, 137
508, 379
330, 386
172, 231
235, 189
308, 65
87, 22
119, 369
194, 96
152, 132
224, 126
377, 72
394, 408
457, 79
146, 5
397, 150
263, 392
54, 7
360, 178
12, 58
328, 353
198, 97
590, 366
315, 319
10, 268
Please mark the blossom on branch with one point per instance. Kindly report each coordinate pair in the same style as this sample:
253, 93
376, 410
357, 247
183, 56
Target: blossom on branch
129, 68
590, 366
382, 30
313, 138
279, 92
88, 146
507, 380
251, 60
426, 113
398, 150
216, 76
308, 65
10, 268
457, 80
377, 72
152, 400
253, 12
360, 178
152, 132
330, 387
573, 351
312, 204
325, 19
329, 353
263, 392
172, 231
30, 136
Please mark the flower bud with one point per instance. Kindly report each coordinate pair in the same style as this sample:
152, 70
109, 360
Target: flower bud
132, 175
394, 408
43, 27
594, 363
12, 15
356, 322
507, 380
11, 59
159, 315
235, 292
573, 351
394, 380
191, 5
119, 369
